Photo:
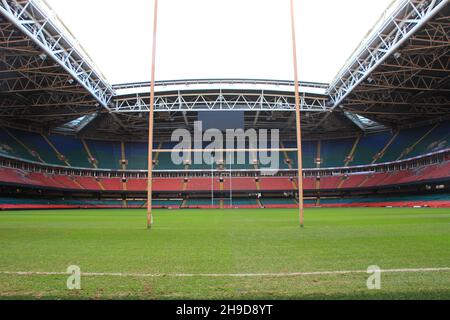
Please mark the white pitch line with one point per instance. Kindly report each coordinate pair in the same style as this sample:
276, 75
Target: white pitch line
286, 274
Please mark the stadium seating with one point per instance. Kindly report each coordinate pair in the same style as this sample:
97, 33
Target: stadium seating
369, 146
107, 153
431, 200
15, 176
402, 142
10, 147
437, 139
239, 184
73, 150
330, 182
88, 183
168, 184
435, 200
67, 182
113, 184
426, 173
202, 203
309, 149
136, 155
203, 184
276, 183
36, 143
334, 152
44, 180
240, 202
373, 147
136, 184
164, 162
352, 180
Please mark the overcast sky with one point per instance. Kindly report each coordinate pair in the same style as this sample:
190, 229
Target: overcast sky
218, 38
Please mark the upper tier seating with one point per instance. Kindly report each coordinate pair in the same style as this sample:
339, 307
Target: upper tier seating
437, 139
309, 149
401, 142
72, 149
334, 152
37, 144
10, 147
88, 153
369, 146
136, 155
107, 153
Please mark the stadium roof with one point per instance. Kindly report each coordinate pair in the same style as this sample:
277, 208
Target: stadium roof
399, 74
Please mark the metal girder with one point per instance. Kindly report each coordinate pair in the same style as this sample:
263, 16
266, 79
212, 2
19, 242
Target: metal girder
395, 30
210, 82
411, 79
47, 105
219, 101
31, 74
31, 20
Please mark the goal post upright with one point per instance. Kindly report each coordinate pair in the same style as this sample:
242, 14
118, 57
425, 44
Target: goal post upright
150, 121
298, 123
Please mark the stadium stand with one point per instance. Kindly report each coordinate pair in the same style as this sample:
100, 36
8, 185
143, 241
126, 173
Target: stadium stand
107, 153
352, 180
88, 183
439, 200
429, 172
203, 184
369, 146
11, 147
67, 182
168, 184
37, 144
275, 183
333, 152
438, 139
136, 155
113, 184
136, 184
377, 147
336, 156
72, 148
363, 135
330, 182
239, 184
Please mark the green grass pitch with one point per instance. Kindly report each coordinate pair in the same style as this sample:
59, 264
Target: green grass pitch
225, 242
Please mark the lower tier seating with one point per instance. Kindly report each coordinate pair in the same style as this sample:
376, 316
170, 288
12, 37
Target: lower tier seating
432, 200
12, 176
